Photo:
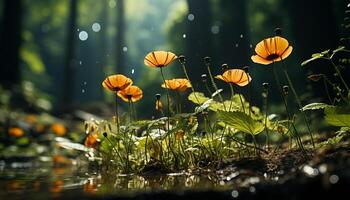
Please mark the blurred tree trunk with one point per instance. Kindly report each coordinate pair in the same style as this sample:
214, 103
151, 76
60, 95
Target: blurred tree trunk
314, 28
10, 41
233, 37
68, 75
120, 36
198, 39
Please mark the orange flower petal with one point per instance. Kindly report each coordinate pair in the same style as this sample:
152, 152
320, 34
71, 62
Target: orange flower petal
132, 92
116, 82
287, 52
260, 60
159, 58
261, 49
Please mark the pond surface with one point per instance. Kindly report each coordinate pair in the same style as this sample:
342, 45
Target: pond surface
27, 179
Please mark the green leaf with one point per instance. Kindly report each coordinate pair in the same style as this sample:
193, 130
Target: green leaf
197, 98
315, 56
241, 122
315, 106
338, 116
340, 48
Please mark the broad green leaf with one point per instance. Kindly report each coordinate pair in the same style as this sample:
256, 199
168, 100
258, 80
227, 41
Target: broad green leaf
241, 122
315, 106
337, 116
197, 98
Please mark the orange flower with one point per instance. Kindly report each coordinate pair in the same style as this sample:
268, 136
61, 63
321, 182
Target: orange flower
91, 140
236, 76
116, 82
56, 186
39, 128
159, 58
178, 84
31, 119
132, 93
16, 132
59, 129
272, 50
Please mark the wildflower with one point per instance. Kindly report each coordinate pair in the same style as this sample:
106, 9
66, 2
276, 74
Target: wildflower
39, 128
56, 186
16, 132
132, 93
159, 58
236, 76
59, 129
116, 82
91, 140
272, 50
179, 84
31, 119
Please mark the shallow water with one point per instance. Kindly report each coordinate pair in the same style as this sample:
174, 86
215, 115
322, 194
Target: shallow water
33, 181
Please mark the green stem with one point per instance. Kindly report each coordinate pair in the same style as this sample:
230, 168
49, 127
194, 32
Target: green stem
266, 113
300, 106
213, 82
339, 74
326, 88
285, 102
188, 78
117, 114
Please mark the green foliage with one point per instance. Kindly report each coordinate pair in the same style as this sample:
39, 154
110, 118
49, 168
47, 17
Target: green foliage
338, 116
315, 106
241, 122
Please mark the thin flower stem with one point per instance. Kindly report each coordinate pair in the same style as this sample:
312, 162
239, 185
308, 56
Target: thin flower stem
339, 74
115, 150
178, 99
117, 114
213, 82
266, 113
188, 78
240, 98
300, 106
167, 97
327, 92
278, 83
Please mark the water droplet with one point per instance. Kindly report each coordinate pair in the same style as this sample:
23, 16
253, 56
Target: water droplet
83, 91
215, 29
96, 27
85, 83
132, 71
236, 45
125, 49
234, 193
80, 62
252, 189
333, 179
241, 36
250, 46
184, 35
78, 30
322, 168
190, 17
112, 3
83, 35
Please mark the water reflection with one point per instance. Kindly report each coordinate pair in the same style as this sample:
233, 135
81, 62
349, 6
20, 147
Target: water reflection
38, 182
